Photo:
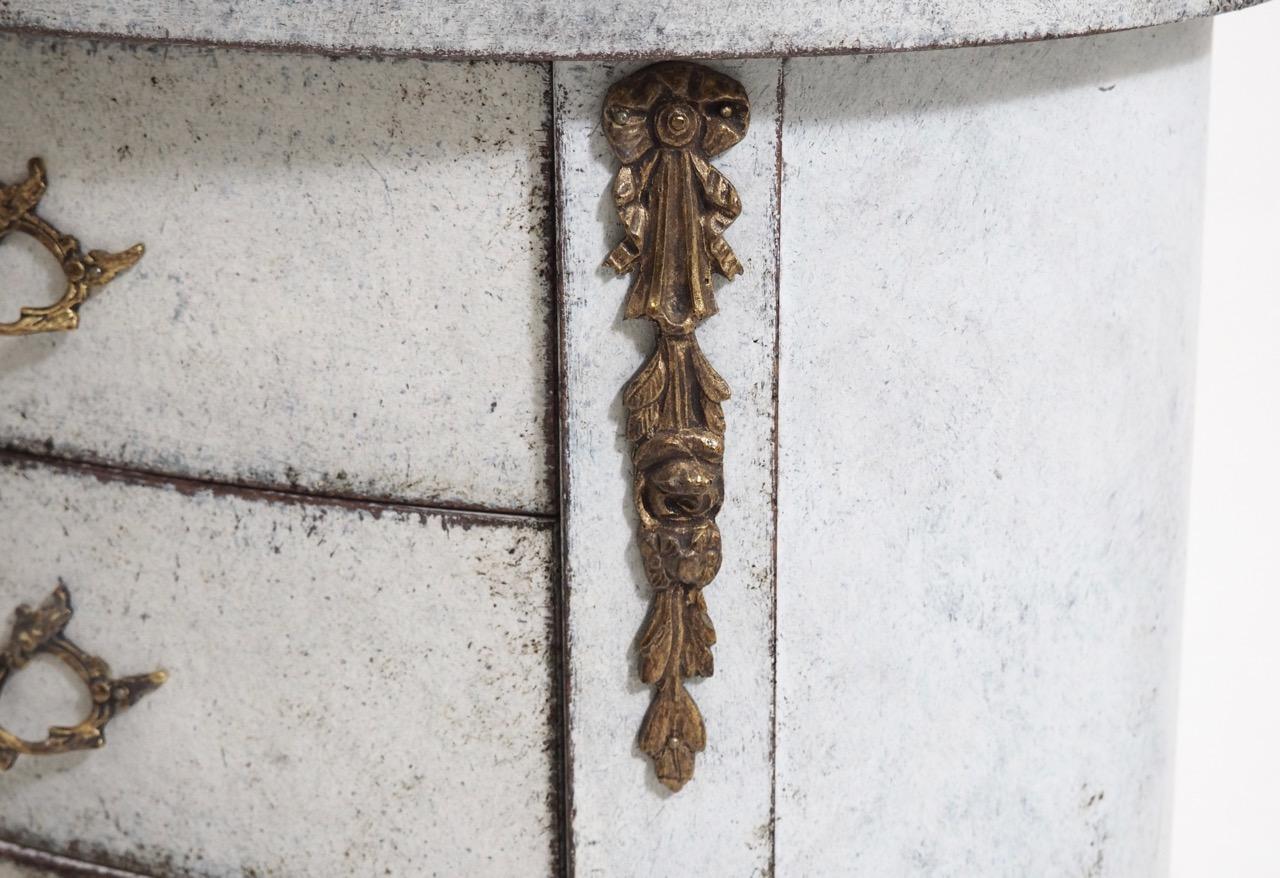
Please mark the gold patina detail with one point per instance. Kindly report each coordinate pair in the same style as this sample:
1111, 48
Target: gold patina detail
664, 124
41, 630
84, 273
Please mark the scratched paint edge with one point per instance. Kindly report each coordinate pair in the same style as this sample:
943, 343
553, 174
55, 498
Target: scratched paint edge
779, 176
81, 454
568, 862
46, 451
56, 864
557, 446
21, 460
13, 23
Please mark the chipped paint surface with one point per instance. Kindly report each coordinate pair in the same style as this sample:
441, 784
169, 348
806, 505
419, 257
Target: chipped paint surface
576, 28
625, 822
987, 315
345, 689
989, 278
24, 870
20, 862
345, 288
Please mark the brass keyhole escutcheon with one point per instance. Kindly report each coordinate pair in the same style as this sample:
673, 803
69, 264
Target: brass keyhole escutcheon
41, 630
84, 272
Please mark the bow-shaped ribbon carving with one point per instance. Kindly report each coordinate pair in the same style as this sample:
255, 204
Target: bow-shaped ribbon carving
664, 123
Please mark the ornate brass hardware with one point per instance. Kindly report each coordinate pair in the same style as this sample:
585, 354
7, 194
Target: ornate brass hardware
84, 273
41, 630
664, 123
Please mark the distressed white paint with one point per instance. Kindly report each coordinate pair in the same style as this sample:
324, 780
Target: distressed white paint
18, 862
990, 262
574, 28
989, 276
351, 692
625, 823
344, 288
22, 870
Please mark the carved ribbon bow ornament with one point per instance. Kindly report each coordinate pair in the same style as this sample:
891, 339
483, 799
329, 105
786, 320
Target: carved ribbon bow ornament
664, 123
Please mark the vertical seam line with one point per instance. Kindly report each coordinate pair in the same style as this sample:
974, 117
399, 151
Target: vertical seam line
777, 349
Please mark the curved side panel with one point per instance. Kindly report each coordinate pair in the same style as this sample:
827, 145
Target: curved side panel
990, 267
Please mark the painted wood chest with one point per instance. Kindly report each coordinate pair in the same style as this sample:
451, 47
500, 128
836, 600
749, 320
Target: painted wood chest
347, 451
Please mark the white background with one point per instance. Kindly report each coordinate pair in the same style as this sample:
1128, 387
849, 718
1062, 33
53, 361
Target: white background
1227, 809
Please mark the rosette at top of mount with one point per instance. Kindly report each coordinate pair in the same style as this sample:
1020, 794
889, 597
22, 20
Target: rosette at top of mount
675, 104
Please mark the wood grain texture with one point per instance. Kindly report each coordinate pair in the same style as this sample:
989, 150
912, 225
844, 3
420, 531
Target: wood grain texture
345, 289
625, 822
989, 281
583, 28
350, 691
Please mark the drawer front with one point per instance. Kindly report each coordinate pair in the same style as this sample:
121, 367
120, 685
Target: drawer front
369, 687
345, 288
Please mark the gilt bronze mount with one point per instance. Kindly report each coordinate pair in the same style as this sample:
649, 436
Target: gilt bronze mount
84, 273
42, 630
664, 124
